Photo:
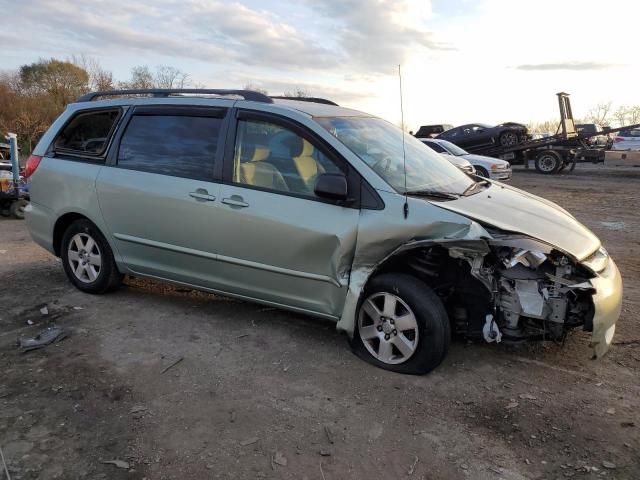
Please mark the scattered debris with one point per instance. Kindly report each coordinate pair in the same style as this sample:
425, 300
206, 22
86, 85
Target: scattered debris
3, 252
528, 396
322, 472
512, 405
609, 465
44, 310
280, 459
464, 466
611, 411
329, 433
614, 225
627, 424
78, 308
325, 453
30, 322
165, 369
138, 411
232, 416
249, 441
117, 463
49, 335
412, 468
6, 470
243, 335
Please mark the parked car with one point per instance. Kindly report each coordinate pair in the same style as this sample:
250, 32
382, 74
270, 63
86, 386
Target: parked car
486, 167
481, 135
430, 131
597, 140
314, 208
627, 139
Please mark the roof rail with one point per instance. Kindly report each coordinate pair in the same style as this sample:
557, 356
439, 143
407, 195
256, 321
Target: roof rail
307, 99
166, 92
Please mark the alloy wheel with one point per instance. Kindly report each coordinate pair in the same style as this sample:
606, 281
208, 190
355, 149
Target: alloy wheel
388, 328
84, 257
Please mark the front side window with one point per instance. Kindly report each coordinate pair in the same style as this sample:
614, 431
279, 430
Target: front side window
87, 134
180, 146
435, 147
380, 145
276, 158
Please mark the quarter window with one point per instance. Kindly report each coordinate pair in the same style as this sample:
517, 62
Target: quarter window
273, 157
87, 134
180, 146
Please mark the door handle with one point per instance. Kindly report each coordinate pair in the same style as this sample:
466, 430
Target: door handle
201, 194
235, 201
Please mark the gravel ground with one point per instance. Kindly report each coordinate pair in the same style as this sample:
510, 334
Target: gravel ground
263, 393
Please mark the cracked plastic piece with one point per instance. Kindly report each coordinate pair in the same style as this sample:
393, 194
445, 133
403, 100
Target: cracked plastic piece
48, 336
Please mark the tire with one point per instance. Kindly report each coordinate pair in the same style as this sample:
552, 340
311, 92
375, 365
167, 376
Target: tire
427, 333
16, 209
98, 272
548, 162
508, 139
482, 172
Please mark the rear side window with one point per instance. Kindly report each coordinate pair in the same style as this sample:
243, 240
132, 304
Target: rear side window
434, 146
87, 134
180, 146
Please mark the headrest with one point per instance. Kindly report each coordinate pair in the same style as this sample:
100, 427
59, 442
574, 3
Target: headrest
286, 145
307, 149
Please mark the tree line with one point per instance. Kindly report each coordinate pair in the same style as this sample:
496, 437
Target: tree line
34, 95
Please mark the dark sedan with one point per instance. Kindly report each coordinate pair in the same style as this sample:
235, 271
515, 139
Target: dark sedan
480, 135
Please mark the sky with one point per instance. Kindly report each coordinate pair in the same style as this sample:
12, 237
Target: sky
462, 61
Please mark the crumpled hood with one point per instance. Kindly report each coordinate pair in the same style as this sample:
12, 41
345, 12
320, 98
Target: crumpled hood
482, 160
514, 210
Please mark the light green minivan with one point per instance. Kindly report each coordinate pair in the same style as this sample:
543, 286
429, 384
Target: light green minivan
305, 205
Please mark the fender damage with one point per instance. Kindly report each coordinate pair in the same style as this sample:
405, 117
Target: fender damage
494, 284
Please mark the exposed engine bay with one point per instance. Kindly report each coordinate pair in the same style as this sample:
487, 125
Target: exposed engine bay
512, 293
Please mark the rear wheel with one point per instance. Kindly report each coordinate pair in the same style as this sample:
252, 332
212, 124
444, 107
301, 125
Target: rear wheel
87, 258
548, 162
17, 208
402, 325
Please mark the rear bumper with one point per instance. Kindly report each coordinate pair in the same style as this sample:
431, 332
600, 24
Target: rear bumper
39, 221
608, 303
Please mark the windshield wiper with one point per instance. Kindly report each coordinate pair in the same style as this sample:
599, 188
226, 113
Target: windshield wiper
434, 194
474, 185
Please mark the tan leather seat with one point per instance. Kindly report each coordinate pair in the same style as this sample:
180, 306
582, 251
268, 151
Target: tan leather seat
307, 166
262, 174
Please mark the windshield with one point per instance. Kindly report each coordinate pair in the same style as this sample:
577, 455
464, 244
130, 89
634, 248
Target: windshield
453, 148
379, 144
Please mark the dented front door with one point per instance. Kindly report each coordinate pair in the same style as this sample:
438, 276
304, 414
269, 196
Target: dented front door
286, 250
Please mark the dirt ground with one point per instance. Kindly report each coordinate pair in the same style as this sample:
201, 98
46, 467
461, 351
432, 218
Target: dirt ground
264, 393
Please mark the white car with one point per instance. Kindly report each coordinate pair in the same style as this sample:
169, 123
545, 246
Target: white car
488, 167
627, 140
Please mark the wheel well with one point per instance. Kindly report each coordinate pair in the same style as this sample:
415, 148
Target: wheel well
61, 226
450, 278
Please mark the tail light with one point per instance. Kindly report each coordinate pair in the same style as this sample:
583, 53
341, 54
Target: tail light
618, 139
32, 164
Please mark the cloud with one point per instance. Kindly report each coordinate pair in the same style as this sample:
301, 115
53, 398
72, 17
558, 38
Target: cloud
566, 66
378, 35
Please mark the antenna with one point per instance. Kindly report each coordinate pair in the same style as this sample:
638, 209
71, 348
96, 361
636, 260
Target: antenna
404, 153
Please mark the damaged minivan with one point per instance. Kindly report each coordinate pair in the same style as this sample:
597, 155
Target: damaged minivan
305, 205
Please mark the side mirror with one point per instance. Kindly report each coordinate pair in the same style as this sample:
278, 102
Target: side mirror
332, 186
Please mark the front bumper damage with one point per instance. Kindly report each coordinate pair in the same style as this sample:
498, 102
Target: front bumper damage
497, 284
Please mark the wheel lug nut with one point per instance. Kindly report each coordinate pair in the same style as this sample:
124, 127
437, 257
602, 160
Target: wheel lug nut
395, 332
387, 337
379, 328
391, 321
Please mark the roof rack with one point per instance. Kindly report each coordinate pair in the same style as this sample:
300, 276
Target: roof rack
307, 99
166, 92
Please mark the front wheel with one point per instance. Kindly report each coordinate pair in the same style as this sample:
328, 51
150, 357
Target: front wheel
402, 325
87, 258
508, 139
482, 172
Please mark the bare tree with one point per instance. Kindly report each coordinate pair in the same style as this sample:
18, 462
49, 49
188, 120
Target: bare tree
600, 113
170, 77
99, 78
254, 87
548, 126
297, 92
